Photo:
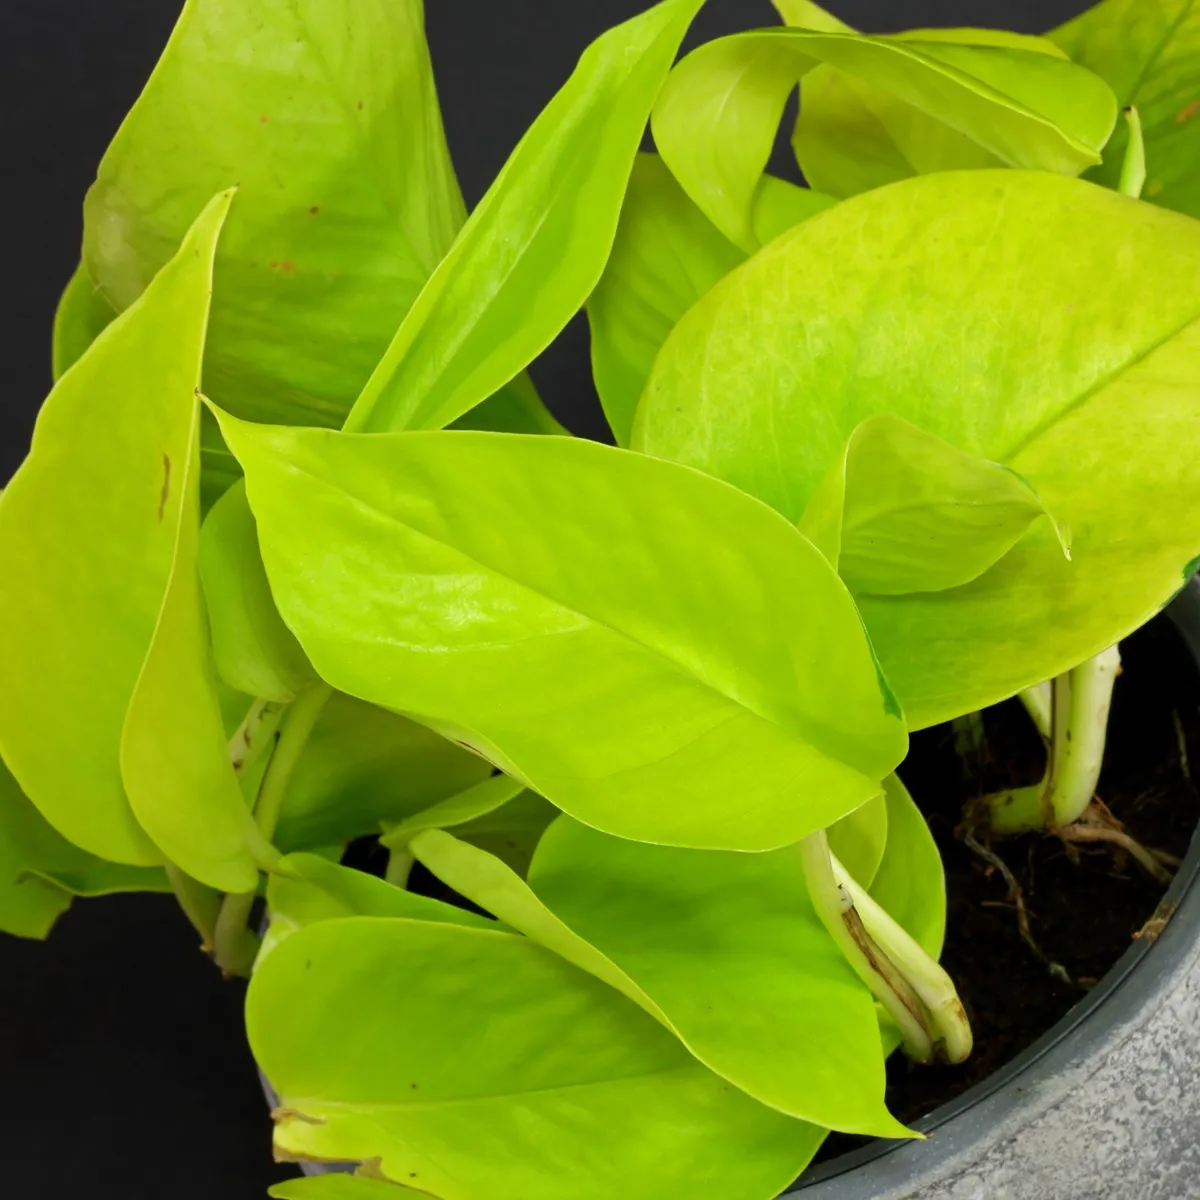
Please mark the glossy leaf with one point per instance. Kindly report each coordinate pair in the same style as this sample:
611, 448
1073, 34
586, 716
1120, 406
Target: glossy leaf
87, 552
536, 245
716, 120
478, 801
1148, 51
82, 315
515, 408
723, 949
667, 254
511, 592
903, 511
523, 1069
363, 767
512, 832
851, 136
1040, 322
342, 1187
324, 113
255, 651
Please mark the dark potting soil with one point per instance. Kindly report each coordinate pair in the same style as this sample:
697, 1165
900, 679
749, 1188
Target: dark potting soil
1084, 906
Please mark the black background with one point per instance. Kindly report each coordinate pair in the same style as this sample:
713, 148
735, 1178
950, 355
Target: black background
123, 1067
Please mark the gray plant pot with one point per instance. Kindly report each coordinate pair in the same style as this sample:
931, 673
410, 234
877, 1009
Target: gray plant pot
1104, 1106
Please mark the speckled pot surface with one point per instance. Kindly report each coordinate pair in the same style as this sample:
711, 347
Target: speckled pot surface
1104, 1106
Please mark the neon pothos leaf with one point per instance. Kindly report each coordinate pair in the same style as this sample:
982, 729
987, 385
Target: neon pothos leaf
347, 199
717, 117
708, 650
904, 511
1149, 53
723, 949
1040, 322
40, 870
98, 566
523, 1068
667, 254
535, 246
851, 135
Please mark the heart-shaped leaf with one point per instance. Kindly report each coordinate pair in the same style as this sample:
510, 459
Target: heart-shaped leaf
723, 949
536, 245
633, 640
667, 254
1148, 51
101, 601
716, 120
324, 113
1039, 322
904, 511
520, 1069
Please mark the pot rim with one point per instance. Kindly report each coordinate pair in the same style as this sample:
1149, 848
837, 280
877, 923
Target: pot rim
1094, 1024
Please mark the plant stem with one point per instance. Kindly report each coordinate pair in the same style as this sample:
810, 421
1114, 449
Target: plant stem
1082, 698
235, 946
1133, 168
290, 739
400, 865
837, 913
201, 905
947, 1022
254, 734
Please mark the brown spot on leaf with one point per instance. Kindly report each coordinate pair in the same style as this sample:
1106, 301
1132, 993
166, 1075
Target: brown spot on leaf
316, 208
166, 488
360, 104
1187, 112
285, 265
264, 119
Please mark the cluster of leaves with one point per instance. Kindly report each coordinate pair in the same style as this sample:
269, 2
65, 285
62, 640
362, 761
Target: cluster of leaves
886, 455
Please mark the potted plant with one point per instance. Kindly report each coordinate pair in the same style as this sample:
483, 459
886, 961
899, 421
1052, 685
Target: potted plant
299, 558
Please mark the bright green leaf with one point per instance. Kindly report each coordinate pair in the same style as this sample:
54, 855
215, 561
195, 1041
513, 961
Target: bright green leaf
324, 113
1039, 322
634, 641
342, 1187
517, 1072
512, 832
83, 314
515, 408
535, 246
87, 552
467, 806
256, 653
723, 949
716, 120
40, 870
364, 766
1148, 51
667, 254
903, 511
911, 881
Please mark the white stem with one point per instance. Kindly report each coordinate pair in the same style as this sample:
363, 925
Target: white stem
949, 1028
837, 913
